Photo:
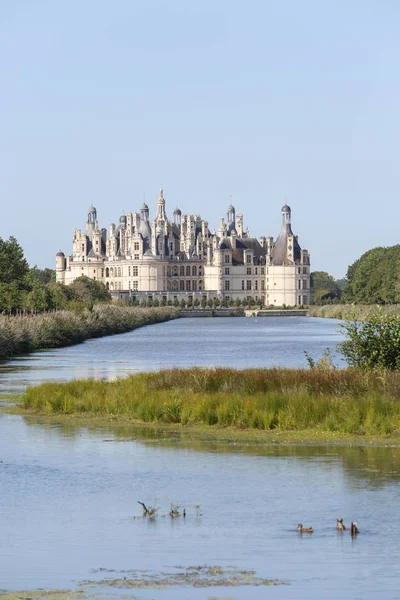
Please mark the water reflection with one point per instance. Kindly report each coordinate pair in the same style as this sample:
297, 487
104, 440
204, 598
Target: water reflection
376, 465
69, 492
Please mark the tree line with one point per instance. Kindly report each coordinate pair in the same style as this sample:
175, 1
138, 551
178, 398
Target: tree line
25, 289
374, 278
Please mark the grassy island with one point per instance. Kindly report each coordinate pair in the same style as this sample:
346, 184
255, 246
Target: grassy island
331, 401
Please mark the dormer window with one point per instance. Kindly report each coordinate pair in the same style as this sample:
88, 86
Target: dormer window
227, 259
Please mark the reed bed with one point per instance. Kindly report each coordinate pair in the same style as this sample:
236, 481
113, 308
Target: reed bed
359, 312
26, 333
264, 399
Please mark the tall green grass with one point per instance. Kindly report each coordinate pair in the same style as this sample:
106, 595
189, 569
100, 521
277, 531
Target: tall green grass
263, 399
21, 334
359, 312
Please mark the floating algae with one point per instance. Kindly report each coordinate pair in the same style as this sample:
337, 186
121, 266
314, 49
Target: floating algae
199, 576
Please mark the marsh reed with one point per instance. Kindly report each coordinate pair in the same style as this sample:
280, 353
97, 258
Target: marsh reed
26, 333
360, 312
342, 401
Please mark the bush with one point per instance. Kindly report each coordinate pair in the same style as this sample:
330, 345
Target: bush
373, 344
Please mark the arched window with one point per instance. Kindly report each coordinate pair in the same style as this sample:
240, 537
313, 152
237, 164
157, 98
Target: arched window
194, 271
188, 270
112, 285
107, 273
119, 271
200, 285
200, 271
175, 286
175, 272
181, 270
107, 286
112, 271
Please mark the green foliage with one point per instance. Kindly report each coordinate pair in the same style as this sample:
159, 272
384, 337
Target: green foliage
43, 275
373, 344
375, 277
89, 292
325, 363
345, 401
13, 266
324, 288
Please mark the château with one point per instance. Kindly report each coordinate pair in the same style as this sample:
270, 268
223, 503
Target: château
182, 258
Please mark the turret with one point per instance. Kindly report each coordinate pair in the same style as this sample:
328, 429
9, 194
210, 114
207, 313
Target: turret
91, 220
177, 216
239, 225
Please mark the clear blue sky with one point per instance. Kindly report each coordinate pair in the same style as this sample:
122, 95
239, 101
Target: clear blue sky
270, 101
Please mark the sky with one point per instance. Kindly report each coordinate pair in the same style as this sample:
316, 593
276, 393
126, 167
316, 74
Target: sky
256, 103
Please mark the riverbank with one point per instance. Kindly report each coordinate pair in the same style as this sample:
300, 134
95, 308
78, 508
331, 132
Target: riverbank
22, 334
359, 312
314, 405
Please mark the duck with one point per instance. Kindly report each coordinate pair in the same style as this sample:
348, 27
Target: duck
302, 529
353, 528
340, 526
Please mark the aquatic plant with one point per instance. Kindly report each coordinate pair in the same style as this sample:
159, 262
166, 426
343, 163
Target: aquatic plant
335, 400
20, 334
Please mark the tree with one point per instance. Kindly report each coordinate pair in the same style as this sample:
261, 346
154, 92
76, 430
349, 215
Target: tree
90, 291
374, 278
324, 288
13, 265
373, 344
43, 275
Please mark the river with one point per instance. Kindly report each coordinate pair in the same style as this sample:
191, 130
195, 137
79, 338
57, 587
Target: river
69, 492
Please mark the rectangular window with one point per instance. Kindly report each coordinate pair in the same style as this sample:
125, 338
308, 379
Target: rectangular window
262, 270
299, 284
248, 259
304, 284
194, 285
248, 270
226, 270
299, 300
262, 285
248, 285
256, 271
129, 271
256, 285
135, 286
182, 285
188, 285
135, 271
304, 270
242, 284
83, 247
136, 257
136, 246
299, 270
227, 259
305, 300
227, 285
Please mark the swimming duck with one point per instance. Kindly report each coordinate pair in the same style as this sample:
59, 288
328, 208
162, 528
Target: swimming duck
353, 528
340, 526
302, 529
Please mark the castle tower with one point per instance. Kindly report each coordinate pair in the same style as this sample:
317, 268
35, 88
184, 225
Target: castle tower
161, 206
91, 221
177, 216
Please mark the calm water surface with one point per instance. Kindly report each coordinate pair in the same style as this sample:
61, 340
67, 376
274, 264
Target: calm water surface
69, 493
232, 342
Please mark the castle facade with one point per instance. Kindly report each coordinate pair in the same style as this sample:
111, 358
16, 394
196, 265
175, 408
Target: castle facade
182, 258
